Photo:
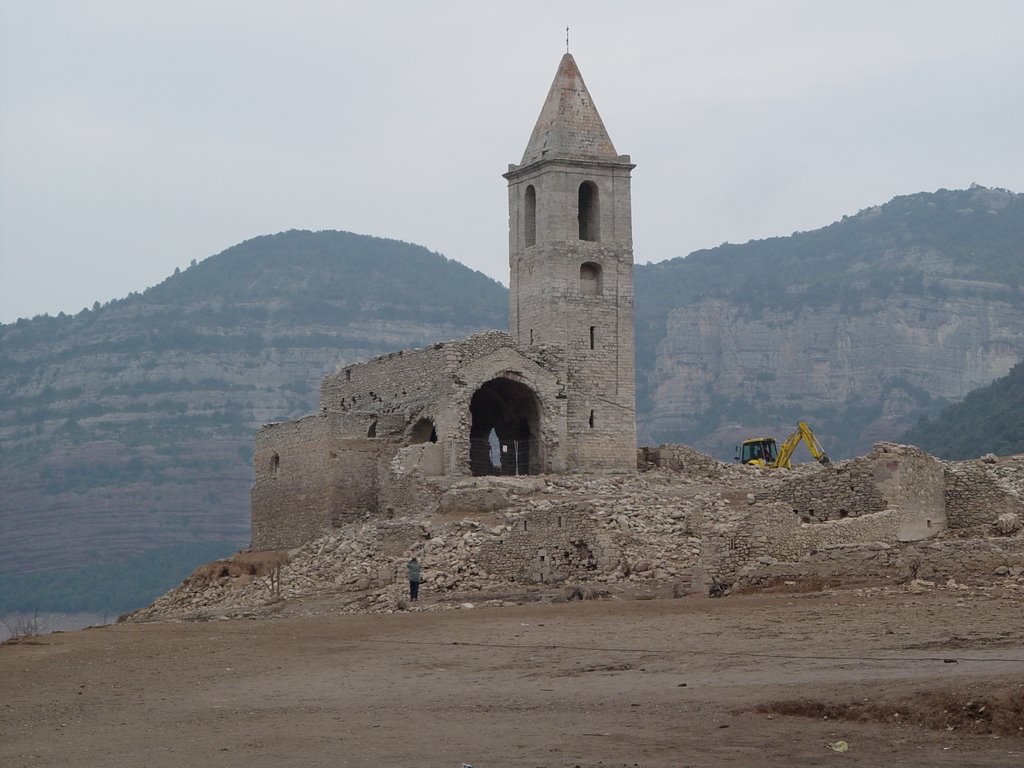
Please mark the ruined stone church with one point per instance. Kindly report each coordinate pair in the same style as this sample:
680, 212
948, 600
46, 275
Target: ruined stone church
556, 394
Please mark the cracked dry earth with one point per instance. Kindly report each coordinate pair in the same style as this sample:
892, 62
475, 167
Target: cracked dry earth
897, 679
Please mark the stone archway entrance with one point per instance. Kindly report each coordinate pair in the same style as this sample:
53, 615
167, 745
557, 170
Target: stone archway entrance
510, 409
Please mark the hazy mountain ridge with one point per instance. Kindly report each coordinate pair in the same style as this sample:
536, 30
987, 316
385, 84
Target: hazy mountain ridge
860, 327
130, 426
960, 234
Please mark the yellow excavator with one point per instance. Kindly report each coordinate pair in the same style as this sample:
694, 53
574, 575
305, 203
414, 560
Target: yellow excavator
763, 451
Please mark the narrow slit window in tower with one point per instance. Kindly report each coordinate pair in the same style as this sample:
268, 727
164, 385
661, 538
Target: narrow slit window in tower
530, 219
592, 336
589, 212
591, 419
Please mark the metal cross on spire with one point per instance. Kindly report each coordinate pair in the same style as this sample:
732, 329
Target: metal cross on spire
566, 39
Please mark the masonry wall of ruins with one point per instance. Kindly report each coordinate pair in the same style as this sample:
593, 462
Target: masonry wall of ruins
895, 493
891, 477
856, 512
317, 473
978, 492
387, 424
963, 561
542, 546
772, 532
848, 490
892, 495
433, 388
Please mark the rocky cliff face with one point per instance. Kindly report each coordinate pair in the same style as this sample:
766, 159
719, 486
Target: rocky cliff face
860, 328
878, 369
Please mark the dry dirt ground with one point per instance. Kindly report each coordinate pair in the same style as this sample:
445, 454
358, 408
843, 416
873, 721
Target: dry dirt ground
932, 679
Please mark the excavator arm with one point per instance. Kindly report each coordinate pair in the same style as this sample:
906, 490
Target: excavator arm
802, 432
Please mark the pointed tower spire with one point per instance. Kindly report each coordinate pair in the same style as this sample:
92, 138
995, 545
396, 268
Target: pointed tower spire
569, 124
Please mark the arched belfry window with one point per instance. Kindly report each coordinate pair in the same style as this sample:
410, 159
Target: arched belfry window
589, 212
530, 218
590, 279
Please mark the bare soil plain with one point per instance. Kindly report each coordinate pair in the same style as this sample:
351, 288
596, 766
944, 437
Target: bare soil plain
895, 678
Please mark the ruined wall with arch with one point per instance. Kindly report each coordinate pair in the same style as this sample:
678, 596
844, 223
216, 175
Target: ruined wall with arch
387, 424
436, 384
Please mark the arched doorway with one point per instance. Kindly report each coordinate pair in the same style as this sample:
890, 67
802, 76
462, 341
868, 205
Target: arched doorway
509, 409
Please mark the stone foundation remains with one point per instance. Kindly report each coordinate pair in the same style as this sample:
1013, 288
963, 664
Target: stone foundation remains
682, 524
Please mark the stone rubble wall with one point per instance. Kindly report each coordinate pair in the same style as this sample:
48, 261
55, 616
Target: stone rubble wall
311, 476
736, 537
408, 379
846, 490
979, 491
890, 477
970, 562
552, 543
963, 560
428, 459
913, 482
895, 493
684, 459
787, 539
438, 383
409, 494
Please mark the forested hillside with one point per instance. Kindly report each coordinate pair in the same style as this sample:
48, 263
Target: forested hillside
988, 420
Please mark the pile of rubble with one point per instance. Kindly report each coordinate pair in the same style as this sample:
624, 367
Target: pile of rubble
678, 526
650, 518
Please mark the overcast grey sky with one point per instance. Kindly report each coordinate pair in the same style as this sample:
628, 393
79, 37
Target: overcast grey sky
136, 136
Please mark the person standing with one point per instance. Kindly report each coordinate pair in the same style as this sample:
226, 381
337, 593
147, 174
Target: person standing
413, 568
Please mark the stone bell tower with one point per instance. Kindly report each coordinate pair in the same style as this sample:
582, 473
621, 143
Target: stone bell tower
571, 263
